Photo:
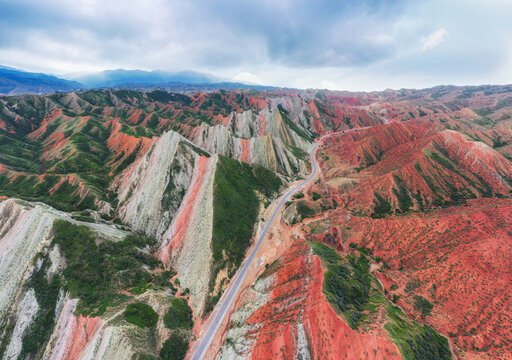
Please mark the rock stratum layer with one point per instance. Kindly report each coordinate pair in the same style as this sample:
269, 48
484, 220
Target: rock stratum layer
124, 215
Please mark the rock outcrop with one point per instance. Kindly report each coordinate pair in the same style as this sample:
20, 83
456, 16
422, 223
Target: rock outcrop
186, 245
151, 190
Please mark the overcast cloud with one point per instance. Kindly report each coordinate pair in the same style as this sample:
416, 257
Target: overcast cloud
354, 45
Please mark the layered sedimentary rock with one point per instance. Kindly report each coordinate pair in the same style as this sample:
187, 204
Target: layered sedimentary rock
151, 190
265, 139
186, 244
26, 232
149, 161
267, 150
285, 315
411, 166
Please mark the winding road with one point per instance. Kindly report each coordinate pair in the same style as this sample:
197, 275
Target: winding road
216, 318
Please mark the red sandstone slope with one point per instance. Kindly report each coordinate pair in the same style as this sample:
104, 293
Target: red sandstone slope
297, 320
457, 258
412, 166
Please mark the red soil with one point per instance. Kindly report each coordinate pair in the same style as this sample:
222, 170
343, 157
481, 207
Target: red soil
297, 297
246, 150
462, 259
386, 158
121, 142
263, 125
82, 332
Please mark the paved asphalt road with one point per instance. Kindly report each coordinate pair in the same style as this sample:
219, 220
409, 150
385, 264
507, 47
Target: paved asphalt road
198, 351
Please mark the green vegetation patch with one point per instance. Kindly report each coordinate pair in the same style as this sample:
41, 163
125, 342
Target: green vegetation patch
47, 294
34, 188
347, 283
415, 342
351, 289
423, 305
137, 131
381, 208
236, 207
19, 155
179, 315
404, 200
141, 314
297, 152
316, 196
174, 348
304, 210
95, 273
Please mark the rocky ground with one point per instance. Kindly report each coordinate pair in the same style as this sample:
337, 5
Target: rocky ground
400, 248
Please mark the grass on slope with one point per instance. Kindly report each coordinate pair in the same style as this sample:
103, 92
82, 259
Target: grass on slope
174, 348
33, 188
20, 155
141, 314
179, 319
47, 294
351, 288
415, 341
236, 208
347, 284
95, 273
293, 126
179, 315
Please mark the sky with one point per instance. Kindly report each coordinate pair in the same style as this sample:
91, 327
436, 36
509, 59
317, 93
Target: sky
335, 44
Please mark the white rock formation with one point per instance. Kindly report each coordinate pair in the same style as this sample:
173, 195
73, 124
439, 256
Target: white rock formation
190, 238
151, 190
302, 344
58, 346
109, 343
24, 231
27, 311
237, 345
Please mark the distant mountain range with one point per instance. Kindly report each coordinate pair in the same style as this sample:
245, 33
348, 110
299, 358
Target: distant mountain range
14, 81
122, 77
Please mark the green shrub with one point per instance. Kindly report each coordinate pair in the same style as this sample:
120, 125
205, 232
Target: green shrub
141, 314
404, 201
179, 315
423, 305
381, 208
316, 196
95, 273
412, 284
415, 342
47, 294
174, 348
304, 210
236, 206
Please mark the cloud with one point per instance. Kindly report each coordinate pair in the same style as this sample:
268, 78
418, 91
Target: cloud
247, 77
172, 34
435, 39
364, 44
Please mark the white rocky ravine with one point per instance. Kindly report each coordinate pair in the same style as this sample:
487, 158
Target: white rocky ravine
192, 259
25, 231
302, 344
268, 151
141, 187
27, 311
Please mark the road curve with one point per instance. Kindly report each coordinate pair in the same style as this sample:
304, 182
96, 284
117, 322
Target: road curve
199, 349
